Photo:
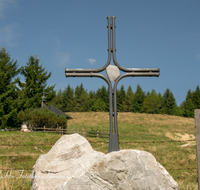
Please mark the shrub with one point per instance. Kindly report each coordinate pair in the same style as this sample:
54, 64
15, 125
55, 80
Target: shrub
39, 117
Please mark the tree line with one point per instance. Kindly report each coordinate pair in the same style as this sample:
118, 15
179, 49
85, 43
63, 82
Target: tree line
17, 95
79, 100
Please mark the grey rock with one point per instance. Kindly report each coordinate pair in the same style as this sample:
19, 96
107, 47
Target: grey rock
70, 155
72, 164
112, 72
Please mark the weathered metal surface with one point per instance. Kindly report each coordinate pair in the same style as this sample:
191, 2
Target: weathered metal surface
134, 72
197, 131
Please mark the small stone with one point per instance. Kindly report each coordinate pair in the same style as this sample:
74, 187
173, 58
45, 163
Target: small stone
35, 148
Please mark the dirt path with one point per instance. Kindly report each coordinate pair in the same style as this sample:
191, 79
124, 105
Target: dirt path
182, 137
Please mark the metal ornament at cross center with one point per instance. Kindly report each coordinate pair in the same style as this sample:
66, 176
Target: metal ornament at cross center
114, 76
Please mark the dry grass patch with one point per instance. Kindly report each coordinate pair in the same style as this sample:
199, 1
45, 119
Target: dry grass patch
187, 186
192, 157
154, 119
88, 118
165, 123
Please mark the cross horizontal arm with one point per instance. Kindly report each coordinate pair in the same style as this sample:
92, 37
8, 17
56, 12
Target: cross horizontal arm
140, 74
86, 70
88, 75
156, 70
137, 69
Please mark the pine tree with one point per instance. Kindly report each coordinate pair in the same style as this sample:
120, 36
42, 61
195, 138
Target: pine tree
151, 103
188, 108
85, 103
170, 102
98, 93
196, 98
81, 99
188, 105
98, 106
138, 99
121, 98
77, 99
128, 103
8, 90
68, 99
57, 101
161, 104
35, 84
190, 95
92, 98
103, 95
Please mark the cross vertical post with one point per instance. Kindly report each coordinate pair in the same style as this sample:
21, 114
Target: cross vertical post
113, 75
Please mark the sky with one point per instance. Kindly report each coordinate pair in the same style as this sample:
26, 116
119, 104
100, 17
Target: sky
64, 34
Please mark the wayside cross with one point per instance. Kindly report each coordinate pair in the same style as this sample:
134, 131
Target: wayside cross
113, 75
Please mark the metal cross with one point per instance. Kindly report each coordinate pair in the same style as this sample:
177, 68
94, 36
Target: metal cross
113, 75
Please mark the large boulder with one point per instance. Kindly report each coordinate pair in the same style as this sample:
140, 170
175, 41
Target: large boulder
72, 164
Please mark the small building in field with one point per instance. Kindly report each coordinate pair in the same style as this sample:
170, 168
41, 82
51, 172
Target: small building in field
58, 112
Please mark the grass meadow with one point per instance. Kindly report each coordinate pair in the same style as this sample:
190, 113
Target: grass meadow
171, 139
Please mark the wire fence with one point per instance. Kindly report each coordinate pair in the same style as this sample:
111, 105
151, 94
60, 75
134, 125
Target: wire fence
173, 169
30, 169
98, 134
66, 131
126, 142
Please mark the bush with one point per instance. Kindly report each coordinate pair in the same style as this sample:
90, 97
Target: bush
39, 117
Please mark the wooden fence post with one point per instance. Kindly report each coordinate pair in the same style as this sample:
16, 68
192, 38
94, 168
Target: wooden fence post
84, 131
197, 131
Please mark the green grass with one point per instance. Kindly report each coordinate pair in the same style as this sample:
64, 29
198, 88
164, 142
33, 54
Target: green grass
136, 131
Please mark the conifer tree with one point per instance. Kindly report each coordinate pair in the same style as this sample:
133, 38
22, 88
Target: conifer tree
138, 99
81, 99
188, 105
105, 97
161, 104
77, 98
151, 103
8, 90
128, 103
99, 105
85, 103
92, 98
98, 93
35, 84
121, 98
68, 99
190, 95
188, 108
57, 101
196, 98
170, 102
